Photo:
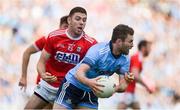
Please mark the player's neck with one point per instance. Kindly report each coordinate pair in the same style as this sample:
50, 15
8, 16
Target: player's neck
72, 34
116, 53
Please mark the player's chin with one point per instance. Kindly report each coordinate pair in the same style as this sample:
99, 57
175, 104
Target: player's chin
126, 52
78, 32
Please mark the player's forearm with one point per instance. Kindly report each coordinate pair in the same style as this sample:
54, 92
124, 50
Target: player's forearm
139, 80
142, 82
26, 56
122, 84
80, 75
41, 68
25, 62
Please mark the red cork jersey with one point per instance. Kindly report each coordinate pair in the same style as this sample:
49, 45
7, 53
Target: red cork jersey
65, 52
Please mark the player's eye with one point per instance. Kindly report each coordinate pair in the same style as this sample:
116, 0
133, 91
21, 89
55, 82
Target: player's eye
131, 41
84, 19
78, 18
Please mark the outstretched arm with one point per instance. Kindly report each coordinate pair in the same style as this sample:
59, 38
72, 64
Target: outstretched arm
25, 61
139, 79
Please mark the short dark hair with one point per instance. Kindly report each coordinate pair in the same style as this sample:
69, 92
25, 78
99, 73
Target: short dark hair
142, 43
63, 20
121, 31
77, 9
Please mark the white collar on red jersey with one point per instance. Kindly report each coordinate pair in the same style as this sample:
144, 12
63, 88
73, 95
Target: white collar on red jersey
69, 36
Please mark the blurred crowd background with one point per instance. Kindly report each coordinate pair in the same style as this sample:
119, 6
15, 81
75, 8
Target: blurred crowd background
24, 21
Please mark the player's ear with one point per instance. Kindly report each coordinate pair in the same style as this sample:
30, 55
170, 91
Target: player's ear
69, 19
119, 41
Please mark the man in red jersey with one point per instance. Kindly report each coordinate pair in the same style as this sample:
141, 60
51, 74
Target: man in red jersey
136, 66
63, 50
34, 48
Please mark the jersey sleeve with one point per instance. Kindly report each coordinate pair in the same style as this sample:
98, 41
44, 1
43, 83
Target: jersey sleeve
49, 45
91, 56
125, 66
40, 43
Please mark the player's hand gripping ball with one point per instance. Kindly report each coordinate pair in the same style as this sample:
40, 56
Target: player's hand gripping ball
108, 89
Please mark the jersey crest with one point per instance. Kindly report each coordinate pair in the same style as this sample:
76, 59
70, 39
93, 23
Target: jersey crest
78, 49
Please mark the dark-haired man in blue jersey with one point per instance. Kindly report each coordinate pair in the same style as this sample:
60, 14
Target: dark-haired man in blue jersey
80, 83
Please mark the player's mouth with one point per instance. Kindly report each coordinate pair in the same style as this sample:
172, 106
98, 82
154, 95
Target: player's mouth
80, 29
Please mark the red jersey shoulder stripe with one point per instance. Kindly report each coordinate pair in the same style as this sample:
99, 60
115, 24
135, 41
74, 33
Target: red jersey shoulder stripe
56, 33
58, 30
88, 38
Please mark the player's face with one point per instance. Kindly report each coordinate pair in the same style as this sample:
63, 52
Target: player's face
127, 44
64, 26
77, 23
147, 50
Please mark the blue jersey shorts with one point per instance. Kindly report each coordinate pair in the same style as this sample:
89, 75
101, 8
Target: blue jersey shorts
72, 97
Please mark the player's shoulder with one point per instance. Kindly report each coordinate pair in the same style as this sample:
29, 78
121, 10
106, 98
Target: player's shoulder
56, 33
135, 56
102, 47
41, 38
89, 39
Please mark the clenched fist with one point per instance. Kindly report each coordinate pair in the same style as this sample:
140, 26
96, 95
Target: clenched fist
129, 77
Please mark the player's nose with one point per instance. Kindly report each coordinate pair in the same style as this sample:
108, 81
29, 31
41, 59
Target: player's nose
131, 45
82, 22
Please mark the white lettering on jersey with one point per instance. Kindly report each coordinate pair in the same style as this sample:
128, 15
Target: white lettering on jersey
71, 58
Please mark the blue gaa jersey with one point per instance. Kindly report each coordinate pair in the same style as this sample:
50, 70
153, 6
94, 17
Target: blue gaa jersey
102, 62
